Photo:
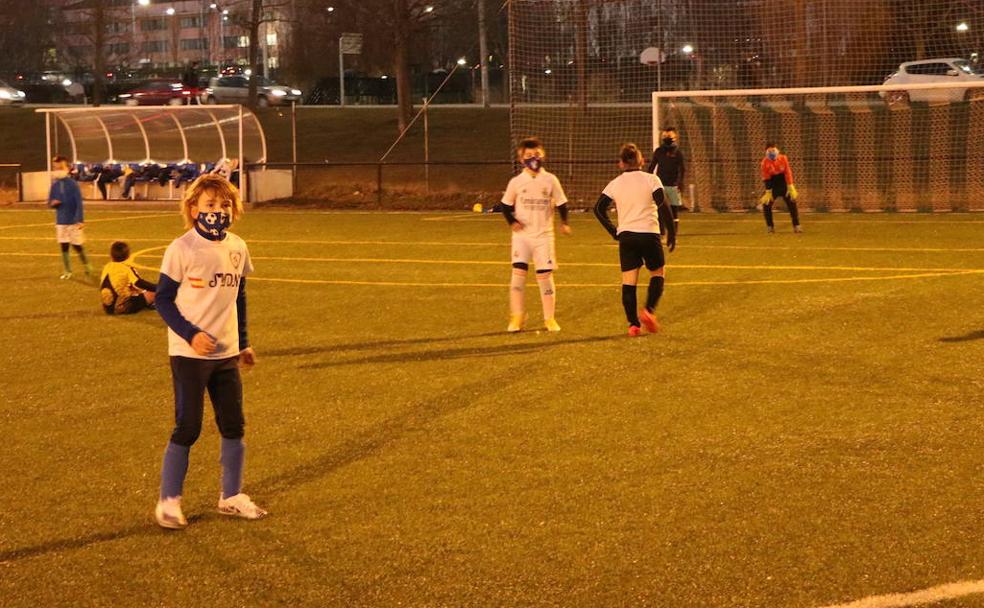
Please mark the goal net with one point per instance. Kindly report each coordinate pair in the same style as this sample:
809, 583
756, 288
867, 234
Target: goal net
582, 74
884, 148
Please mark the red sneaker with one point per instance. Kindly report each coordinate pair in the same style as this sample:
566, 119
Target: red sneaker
649, 321
635, 331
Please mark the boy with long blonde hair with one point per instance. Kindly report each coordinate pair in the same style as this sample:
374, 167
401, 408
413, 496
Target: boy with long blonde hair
201, 295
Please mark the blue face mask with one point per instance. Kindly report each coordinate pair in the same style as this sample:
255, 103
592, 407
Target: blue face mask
772, 154
533, 163
214, 223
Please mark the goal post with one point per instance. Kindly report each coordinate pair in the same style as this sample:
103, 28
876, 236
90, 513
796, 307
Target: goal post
900, 147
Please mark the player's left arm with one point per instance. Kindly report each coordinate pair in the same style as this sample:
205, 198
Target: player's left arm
601, 212
76, 194
247, 356
665, 217
790, 186
683, 169
560, 201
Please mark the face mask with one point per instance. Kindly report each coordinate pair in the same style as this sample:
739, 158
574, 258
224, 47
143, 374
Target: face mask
533, 163
772, 154
669, 142
215, 224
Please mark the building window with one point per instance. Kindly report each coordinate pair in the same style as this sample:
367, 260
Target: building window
273, 63
119, 48
230, 42
154, 46
153, 25
194, 44
80, 51
243, 42
272, 39
191, 22
117, 27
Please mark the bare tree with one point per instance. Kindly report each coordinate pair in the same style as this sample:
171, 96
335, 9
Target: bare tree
250, 15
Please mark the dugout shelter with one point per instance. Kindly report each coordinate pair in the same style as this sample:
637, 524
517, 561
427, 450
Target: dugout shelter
163, 135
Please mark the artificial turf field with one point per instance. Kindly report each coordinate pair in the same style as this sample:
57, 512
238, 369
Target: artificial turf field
806, 431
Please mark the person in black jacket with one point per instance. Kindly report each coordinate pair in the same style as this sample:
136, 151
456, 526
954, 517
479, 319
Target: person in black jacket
668, 164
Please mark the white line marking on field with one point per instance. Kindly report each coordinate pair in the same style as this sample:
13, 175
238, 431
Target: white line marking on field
931, 595
105, 219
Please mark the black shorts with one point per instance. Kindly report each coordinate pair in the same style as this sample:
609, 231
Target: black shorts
128, 306
638, 248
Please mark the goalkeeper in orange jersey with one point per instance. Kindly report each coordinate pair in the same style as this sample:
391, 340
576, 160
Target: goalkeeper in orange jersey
777, 175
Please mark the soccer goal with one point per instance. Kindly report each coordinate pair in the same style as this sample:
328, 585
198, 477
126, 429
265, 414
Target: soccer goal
911, 147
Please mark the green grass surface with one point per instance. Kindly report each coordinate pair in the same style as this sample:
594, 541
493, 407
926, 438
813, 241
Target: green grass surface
806, 431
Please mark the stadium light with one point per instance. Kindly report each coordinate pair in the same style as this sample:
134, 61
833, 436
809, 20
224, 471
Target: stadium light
143, 2
213, 6
548, 71
428, 9
462, 61
330, 9
962, 26
687, 49
170, 10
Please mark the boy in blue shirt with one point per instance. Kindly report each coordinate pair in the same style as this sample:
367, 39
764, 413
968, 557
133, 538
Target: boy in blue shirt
65, 198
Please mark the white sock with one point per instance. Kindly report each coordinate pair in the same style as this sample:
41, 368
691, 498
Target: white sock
517, 290
548, 294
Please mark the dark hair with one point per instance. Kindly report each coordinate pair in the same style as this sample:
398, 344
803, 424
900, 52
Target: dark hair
630, 155
119, 251
770, 145
530, 143
58, 159
669, 129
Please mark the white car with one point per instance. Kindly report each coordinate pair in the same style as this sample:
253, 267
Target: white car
953, 69
235, 89
9, 95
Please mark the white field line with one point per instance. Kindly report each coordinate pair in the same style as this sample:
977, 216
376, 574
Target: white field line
105, 219
932, 595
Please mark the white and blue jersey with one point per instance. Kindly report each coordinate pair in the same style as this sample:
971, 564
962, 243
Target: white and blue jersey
202, 287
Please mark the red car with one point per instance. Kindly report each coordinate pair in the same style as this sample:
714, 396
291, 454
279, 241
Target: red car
161, 93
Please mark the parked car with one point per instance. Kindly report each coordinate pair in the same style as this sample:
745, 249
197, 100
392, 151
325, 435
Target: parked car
234, 88
946, 70
159, 93
9, 95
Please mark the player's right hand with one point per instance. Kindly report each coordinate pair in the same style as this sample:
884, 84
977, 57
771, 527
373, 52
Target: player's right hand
203, 344
517, 226
671, 243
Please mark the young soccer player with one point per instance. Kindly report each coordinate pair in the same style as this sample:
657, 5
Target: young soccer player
668, 165
122, 290
641, 208
528, 206
65, 197
777, 175
201, 296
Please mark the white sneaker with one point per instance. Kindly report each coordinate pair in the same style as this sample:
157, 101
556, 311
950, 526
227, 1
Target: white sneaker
241, 506
168, 514
65, 276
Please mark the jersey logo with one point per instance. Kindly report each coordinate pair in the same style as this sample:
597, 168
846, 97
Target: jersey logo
196, 283
224, 279
236, 257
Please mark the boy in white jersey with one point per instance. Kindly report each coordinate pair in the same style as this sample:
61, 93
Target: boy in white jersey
201, 296
641, 208
528, 206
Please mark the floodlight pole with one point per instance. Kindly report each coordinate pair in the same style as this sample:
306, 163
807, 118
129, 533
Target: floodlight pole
484, 51
293, 144
427, 168
341, 73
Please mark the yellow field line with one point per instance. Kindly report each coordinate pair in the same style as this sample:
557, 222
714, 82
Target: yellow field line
932, 595
913, 275
608, 264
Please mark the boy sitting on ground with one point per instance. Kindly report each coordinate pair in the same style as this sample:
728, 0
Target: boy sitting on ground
122, 290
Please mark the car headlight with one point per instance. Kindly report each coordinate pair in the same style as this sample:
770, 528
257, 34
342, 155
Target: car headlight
278, 92
123, 95
21, 94
295, 92
5, 94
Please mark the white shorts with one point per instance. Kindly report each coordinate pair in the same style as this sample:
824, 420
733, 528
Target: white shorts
70, 233
539, 250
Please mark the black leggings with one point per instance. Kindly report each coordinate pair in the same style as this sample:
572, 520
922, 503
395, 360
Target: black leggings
790, 204
192, 377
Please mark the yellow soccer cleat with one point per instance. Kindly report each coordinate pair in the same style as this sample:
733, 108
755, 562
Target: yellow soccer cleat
516, 323
551, 325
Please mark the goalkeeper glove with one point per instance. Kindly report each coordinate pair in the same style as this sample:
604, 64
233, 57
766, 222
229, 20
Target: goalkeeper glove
791, 189
766, 198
